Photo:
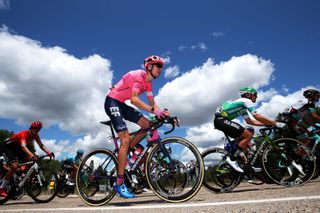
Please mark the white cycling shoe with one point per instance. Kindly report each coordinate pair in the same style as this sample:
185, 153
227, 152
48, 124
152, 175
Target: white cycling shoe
298, 167
234, 165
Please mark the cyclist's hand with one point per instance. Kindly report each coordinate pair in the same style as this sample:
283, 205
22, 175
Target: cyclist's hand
161, 113
280, 125
34, 158
176, 122
311, 129
51, 154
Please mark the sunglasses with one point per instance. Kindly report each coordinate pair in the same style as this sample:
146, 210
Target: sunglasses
37, 129
159, 65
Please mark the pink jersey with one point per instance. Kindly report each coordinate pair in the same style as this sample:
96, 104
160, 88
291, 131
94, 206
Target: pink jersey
133, 81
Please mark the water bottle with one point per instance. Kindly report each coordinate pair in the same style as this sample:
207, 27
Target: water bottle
127, 167
136, 153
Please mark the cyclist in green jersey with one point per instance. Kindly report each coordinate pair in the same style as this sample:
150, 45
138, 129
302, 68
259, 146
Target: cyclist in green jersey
244, 106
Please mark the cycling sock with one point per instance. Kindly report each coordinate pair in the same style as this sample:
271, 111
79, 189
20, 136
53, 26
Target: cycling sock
120, 180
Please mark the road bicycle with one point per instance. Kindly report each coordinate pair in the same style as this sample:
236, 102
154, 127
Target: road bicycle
164, 170
276, 157
39, 183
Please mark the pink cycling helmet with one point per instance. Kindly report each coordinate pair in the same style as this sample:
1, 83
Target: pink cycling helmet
153, 60
36, 125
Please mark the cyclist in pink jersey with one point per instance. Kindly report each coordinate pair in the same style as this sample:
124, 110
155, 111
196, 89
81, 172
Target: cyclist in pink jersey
130, 87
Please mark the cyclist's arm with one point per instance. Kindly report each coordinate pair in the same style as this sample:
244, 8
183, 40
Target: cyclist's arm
135, 100
316, 117
42, 146
253, 122
26, 150
264, 120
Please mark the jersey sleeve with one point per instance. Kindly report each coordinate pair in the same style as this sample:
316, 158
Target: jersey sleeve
149, 90
250, 106
23, 138
137, 85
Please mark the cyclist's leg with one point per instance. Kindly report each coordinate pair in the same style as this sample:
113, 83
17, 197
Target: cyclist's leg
115, 110
13, 165
245, 137
12, 162
136, 117
233, 130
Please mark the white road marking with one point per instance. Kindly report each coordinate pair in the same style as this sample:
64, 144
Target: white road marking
185, 205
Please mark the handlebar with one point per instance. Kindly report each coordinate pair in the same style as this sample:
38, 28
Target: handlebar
158, 122
32, 161
269, 129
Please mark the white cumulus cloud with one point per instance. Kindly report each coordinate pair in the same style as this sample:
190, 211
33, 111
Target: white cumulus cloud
172, 71
53, 86
199, 92
4, 4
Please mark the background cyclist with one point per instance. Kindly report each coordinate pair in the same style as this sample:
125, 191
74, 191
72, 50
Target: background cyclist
229, 110
130, 87
302, 117
71, 165
16, 149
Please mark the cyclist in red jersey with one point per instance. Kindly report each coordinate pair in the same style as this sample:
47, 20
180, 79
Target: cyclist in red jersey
16, 149
130, 87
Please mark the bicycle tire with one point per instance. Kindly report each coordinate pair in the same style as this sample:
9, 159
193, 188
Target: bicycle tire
48, 190
278, 159
94, 179
62, 188
219, 176
3, 200
168, 180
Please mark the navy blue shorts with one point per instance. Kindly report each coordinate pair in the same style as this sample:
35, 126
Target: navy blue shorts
230, 128
118, 111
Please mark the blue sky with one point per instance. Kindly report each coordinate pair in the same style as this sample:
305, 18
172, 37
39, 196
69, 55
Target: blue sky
58, 59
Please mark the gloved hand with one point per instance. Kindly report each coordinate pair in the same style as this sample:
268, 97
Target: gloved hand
51, 154
280, 125
34, 158
159, 112
311, 129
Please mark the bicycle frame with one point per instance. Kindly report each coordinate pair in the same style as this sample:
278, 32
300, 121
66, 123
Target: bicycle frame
145, 150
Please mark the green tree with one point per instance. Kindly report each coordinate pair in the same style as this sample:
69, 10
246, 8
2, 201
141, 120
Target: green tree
4, 134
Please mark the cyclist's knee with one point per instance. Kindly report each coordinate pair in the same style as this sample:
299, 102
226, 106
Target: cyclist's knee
144, 123
246, 134
14, 166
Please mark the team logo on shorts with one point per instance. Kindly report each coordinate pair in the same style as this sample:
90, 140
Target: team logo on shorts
114, 111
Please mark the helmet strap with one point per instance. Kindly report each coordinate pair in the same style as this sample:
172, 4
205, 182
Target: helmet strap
150, 71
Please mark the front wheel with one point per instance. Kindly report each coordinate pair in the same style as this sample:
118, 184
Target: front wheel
288, 162
219, 176
95, 177
42, 187
178, 178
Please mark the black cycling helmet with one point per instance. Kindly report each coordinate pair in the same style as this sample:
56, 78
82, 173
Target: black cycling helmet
311, 93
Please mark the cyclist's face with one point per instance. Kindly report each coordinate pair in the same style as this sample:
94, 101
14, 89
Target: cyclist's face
253, 98
34, 130
316, 98
156, 70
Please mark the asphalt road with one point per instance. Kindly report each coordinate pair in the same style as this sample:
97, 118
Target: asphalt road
245, 198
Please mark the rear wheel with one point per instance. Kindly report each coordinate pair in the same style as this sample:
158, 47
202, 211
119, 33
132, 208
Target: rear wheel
62, 187
9, 192
42, 187
219, 176
95, 177
172, 181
